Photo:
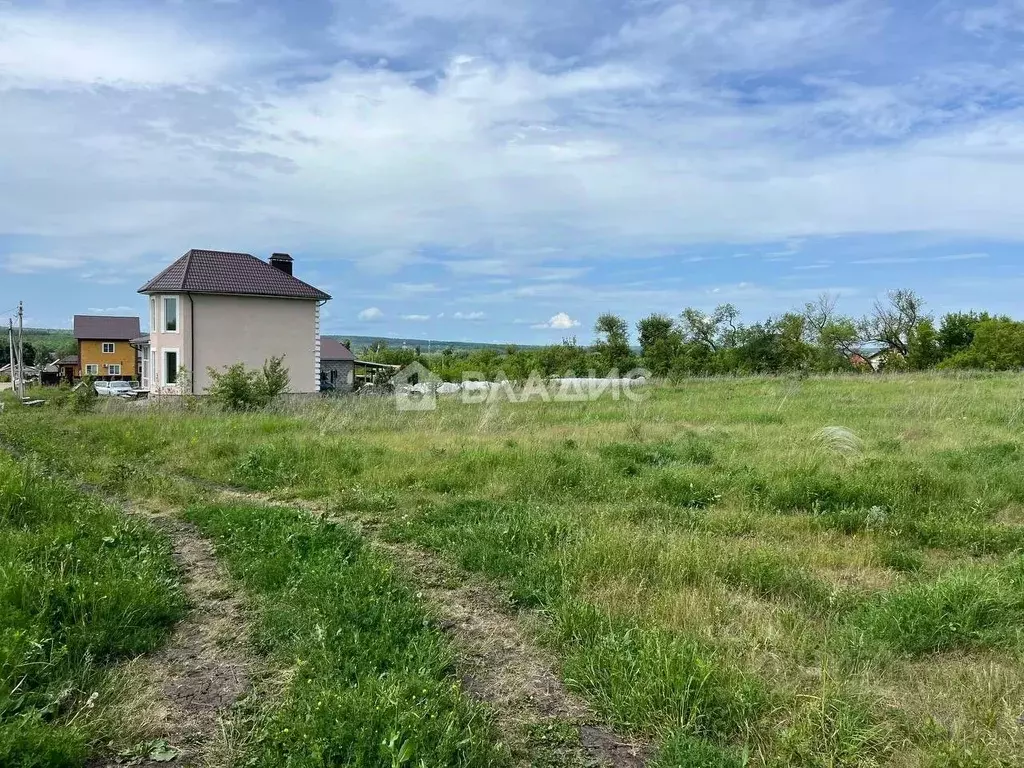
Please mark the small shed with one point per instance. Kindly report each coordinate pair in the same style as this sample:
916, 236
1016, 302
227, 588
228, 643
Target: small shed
337, 366
67, 368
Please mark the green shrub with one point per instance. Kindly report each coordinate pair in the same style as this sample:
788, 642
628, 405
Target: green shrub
84, 397
238, 388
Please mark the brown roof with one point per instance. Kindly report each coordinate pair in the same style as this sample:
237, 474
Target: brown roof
106, 327
332, 349
221, 272
68, 360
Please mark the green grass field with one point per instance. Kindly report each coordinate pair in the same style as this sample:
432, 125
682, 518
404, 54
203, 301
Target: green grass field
763, 572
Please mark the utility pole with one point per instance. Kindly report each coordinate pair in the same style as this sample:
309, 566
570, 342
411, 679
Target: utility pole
21, 349
10, 349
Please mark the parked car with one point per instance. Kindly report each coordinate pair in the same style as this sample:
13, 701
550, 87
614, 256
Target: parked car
115, 389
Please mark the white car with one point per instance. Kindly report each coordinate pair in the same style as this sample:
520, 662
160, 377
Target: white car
115, 388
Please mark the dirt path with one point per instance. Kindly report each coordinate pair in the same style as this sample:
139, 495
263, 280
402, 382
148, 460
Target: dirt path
502, 666
498, 662
202, 670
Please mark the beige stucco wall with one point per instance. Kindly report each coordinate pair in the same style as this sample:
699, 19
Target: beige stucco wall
250, 330
245, 329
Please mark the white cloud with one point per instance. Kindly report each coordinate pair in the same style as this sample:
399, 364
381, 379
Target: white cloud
112, 310
469, 316
416, 318
30, 263
963, 257
490, 156
416, 289
561, 321
371, 314
62, 48
1000, 17
920, 259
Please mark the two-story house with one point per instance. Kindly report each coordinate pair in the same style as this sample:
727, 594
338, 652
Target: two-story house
104, 348
211, 309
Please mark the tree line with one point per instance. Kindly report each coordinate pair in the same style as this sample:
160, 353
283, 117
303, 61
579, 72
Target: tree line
898, 334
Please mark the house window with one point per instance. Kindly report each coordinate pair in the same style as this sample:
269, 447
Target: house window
171, 314
92, 369
170, 366
152, 313
114, 369
108, 347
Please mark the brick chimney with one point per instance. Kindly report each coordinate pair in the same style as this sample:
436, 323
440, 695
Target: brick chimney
282, 261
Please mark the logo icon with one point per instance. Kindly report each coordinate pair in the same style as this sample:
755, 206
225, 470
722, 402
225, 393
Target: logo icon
415, 388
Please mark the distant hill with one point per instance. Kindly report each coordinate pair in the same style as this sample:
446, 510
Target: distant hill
425, 345
63, 338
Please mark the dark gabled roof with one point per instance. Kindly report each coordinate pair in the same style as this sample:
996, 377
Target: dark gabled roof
105, 328
67, 360
237, 274
332, 349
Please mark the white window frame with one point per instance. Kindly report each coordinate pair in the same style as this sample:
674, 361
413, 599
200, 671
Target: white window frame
163, 313
92, 369
152, 314
110, 344
165, 368
153, 357
111, 371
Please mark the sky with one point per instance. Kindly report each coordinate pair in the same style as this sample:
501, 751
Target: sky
507, 170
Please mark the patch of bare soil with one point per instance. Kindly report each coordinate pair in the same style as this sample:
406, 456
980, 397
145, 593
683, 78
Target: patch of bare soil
201, 671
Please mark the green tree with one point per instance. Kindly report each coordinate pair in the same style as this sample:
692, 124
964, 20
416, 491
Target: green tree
716, 331
31, 356
923, 346
661, 343
998, 345
612, 344
893, 321
956, 331
833, 337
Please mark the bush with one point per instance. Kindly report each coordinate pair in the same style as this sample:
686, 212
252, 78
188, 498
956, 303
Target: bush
84, 397
238, 388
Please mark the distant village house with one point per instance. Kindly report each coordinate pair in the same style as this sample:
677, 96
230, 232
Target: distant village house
104, 348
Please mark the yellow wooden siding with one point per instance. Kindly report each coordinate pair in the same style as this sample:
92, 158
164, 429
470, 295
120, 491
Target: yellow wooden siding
91, 353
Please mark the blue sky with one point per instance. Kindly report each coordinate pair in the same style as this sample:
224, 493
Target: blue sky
506, 170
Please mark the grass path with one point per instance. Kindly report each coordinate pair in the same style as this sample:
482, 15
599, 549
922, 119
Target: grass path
85, 592
499, 663
502, 666
203, 669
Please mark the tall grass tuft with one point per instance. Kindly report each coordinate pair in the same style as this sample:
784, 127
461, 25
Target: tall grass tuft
839, 440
